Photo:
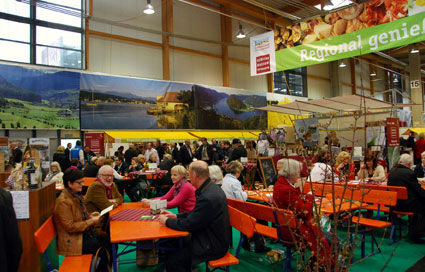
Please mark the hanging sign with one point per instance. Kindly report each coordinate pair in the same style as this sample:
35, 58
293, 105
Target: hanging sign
393, 138
262, 53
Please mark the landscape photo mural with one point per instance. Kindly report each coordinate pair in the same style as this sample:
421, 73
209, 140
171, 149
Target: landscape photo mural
228, 108
38, 98
113, 102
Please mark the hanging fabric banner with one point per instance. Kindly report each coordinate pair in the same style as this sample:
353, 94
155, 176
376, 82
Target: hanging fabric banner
262, 54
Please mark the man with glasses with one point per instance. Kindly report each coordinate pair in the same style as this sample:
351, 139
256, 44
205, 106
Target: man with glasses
103, 193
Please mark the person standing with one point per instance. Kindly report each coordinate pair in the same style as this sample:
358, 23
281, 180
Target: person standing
159, 149
78, 153
186, 155
238, 150
205, 152
208, 223
68, 152
16, 153
130, 153
150, 150
10, 241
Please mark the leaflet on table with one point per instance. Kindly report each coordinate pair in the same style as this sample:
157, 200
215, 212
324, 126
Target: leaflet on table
158, 204
106, 210
21, 201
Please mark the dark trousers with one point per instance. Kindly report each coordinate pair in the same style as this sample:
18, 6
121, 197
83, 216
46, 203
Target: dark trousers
178, 259
91, 244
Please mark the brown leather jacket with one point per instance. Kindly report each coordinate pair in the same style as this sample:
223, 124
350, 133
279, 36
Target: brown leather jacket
96, 199
69, 225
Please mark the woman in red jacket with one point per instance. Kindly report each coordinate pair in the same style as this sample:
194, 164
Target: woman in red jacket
344, 167
287, 196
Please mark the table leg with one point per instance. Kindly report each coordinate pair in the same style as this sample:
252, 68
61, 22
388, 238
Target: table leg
114, 258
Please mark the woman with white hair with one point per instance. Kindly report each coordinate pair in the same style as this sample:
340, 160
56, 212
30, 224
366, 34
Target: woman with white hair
216, 175
55, 174
231, 185
287, 196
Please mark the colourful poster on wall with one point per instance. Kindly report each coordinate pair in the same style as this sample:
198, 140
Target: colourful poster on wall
38, 98
392, 126
114, 102
276, 119
228, 108
361, 29
95, 142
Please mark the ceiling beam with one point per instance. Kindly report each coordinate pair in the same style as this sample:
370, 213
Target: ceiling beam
292, 9
404, 50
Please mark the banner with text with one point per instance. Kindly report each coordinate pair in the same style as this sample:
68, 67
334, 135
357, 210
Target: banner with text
361, 29
262, 53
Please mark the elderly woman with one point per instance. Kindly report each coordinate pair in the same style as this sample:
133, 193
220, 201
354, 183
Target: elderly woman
216, 175
371, 170
55, 174
74, 225
181, 195
344, 167
287, 196
231, 185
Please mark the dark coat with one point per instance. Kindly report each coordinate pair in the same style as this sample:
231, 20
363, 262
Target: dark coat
62, 160
160, 150
208, 223
237, 153
419, 170
176, 155
91, 170
166, 164
17, 155
122, 169
186, 155
403, 176
10, 241
210, 153
129, 154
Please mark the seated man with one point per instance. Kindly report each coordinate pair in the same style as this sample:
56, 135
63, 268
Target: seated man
208, 223
93, 167
103, 193
402, 175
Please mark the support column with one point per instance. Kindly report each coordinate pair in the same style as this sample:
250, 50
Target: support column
371, 82
416, 91
226, 36
353, 76
87, 36
167, 26
334, 77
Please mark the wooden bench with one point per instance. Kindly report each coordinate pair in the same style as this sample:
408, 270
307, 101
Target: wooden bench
279, 217
243, 223
376, 197
44, 236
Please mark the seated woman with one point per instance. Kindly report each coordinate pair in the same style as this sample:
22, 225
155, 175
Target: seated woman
141, 161
153, 158
74, 225
321, 171
181, 195
286, 196
344, 167
55, 174
216, 175
134, 166
231, 185
370, 170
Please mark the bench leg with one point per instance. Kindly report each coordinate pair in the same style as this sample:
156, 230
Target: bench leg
238, 249
114, 258
363, 245
287, 264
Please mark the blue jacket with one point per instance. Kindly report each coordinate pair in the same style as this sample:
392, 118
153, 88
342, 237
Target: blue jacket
75, 153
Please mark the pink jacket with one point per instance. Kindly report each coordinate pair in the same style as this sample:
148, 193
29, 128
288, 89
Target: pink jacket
184, 199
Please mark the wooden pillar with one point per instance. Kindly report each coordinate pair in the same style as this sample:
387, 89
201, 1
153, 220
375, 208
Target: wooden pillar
353, 76
87, 36
270, 78
387, 84
226, 36
167, 26
371, 78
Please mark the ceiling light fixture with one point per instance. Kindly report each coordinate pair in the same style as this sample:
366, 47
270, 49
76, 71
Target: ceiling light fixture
414, 50
342, 64
241, 34
149, 8
395, 80
373, 74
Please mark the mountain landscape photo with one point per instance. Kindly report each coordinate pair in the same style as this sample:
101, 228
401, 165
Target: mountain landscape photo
38, 98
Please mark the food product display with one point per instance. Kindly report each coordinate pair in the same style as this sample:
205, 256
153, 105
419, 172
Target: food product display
348, 20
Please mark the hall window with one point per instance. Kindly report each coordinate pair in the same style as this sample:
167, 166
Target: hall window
45, 32
296, 79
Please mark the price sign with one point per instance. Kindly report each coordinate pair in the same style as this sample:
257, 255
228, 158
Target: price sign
414, 83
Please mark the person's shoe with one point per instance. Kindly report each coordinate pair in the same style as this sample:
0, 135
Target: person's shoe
262, 249
246, 245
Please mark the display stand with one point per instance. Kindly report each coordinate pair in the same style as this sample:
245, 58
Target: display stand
41, 205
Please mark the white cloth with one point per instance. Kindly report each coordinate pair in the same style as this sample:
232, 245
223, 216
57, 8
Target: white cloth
116, 175
232, 188
321, 172
262, 147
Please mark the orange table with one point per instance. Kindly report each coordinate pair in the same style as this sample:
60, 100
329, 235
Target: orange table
87, 181
344, 207
258, 195
127, 231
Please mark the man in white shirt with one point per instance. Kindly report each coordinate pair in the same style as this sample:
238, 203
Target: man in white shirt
149, 151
